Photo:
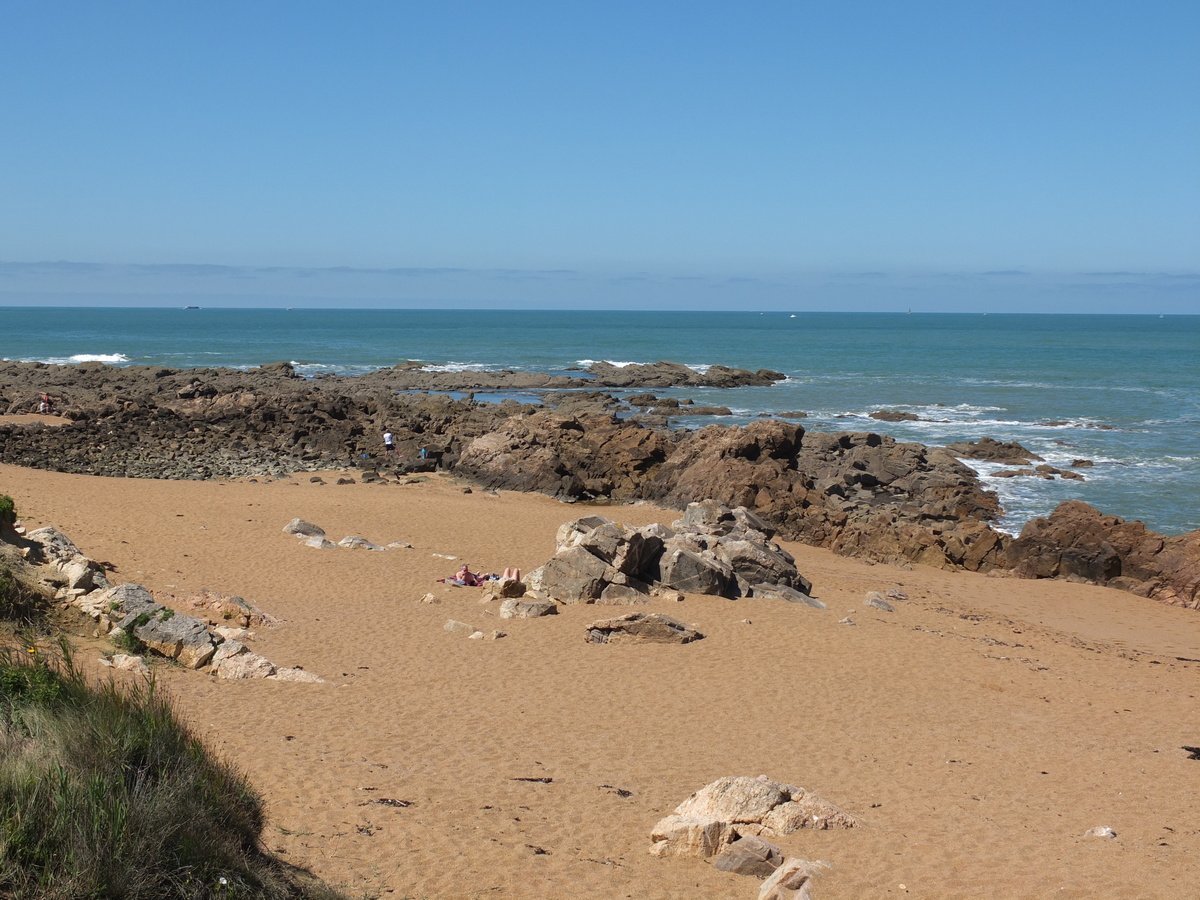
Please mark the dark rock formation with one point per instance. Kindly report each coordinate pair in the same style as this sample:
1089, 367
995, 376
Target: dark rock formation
990, 450
1079, 540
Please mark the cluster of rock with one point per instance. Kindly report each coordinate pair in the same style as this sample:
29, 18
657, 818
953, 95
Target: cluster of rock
712, 549
728, 822
456, 627
857, 493
314, 536
1010, 453
131, 609
860, 494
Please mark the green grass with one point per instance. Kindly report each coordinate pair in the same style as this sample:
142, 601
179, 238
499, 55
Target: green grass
104, 794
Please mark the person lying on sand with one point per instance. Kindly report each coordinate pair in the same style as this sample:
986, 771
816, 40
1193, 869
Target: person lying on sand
465, 577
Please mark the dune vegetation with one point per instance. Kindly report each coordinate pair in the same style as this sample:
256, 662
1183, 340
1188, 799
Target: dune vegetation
105, 793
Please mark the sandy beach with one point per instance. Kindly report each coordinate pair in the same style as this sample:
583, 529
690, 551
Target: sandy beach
977, 731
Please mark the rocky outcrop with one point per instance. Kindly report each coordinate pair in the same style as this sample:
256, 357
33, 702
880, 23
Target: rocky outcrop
1080, 542
861, 494
711, 550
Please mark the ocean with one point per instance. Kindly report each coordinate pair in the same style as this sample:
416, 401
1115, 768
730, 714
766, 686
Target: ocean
1121, 391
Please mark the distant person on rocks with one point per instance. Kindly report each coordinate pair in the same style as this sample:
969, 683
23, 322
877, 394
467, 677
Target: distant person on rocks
388, 447
46, 406
424, 453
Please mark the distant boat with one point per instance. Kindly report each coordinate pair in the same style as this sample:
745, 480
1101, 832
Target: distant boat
191, 307
793, 315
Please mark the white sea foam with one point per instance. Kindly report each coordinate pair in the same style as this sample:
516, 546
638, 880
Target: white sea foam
79, 358
100, 357
462, 367
587, 363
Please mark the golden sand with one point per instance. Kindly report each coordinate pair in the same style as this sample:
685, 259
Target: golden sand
978, 731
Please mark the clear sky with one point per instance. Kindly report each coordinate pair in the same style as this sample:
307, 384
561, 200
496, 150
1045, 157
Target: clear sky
958, 155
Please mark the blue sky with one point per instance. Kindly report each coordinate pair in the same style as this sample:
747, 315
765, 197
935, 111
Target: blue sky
1032, 156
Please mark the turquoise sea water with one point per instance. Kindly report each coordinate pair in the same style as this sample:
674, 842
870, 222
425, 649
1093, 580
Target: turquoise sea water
1126, 389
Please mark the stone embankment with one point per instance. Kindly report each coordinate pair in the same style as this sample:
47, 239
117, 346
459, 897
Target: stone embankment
131, 616
858, 493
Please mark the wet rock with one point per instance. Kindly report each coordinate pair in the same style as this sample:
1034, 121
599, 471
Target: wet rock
991, 450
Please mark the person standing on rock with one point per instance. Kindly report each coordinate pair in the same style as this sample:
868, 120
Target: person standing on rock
388, 447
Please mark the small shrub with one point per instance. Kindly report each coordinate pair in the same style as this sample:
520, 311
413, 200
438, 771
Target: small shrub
8, 511
129, 642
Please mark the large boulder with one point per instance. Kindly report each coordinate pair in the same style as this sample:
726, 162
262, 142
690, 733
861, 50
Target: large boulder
54, 545
724, 810
685, 569
125, 601
233, 661
758, 563
572, 575
184, 639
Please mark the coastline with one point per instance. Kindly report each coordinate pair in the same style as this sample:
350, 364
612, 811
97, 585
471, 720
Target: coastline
859, 493
993, 721
1121, 391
